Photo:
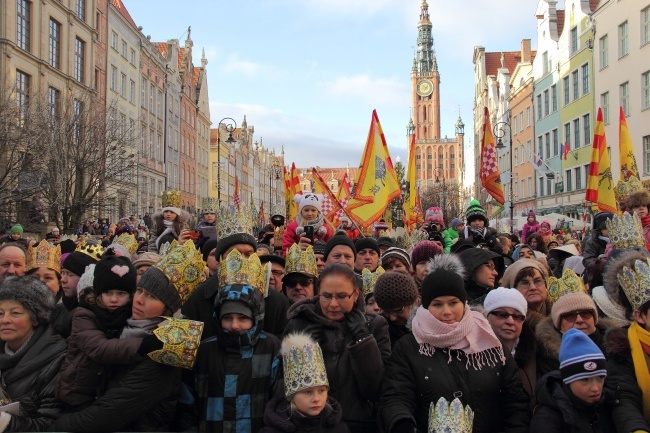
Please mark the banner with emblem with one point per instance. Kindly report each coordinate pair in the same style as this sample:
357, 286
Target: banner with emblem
490, 174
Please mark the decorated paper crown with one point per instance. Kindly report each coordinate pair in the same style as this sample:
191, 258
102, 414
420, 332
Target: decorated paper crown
128, 241
91, 250
236, 269
301, 261
624, 189
625, 232
210, 205
445, 417
171, 198
635, 282
72, 238
407, 241
303, 364
183, 265
278, 236
369, 279
181, 339
230, 222
43, 255
569, 283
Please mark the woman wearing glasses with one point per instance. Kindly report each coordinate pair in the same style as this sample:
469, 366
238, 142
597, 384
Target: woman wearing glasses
451, 353
355, 345
530, 278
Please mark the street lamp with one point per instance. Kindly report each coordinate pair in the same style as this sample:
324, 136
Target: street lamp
273, 170
500, 130
230, 127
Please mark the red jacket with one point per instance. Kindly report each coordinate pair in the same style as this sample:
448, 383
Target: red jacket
290, 236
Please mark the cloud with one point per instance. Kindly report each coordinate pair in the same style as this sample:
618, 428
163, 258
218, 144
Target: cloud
234, 65
380, 91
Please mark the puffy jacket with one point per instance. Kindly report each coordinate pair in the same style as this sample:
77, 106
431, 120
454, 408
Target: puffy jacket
529, 229
30, 377
279, 418
290, 236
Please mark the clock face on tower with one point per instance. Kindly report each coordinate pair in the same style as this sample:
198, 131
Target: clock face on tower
424, 88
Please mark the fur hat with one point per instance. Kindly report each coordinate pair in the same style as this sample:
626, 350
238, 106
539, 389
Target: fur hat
580, 357
639, 198
578, 301
434, 215
114, 272
425, 251
33, 295
309, 199
445, 278
505, 297
395, 290
87, 278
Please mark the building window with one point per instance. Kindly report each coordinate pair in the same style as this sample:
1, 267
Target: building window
540, 146
132, 92
553, 98
22, 94
152, 97
114, 40
576, 133
547, 142
645, 26
23, 15
565, 87
576, 86
132, 57
574, 40
556, 142
585, 168
514, 125
546, 103
159, 102
568, 181
604, 104
541, 186
53, 100
578, 175
585, 79
113, 78
539, 107
646, 154
645, 91
527, 117
80, 10
124, 48
624, 97
545, 64
623, 40
55, 43
143, 97
79, 47
586, 128
603, 51
549, 187
123, 86
567, 134
521, 121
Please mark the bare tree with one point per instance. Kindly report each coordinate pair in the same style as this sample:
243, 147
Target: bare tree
444, 194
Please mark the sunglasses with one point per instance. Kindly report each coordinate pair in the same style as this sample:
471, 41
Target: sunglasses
504, 316
304, 282
573, 315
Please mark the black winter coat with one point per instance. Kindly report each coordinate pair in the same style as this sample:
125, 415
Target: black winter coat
414, 380
559, 411
594, 247
30, 377
278, 419
355, 370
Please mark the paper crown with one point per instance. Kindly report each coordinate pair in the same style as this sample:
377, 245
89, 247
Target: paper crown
635, 282
171, 198
210, 205
230, 222
183, 265
625, 231
303, 364
236, 269
72, 238
407, 241
128, 241
301, 261
91, 250
625, 188
445, 417
369, 279
569, 283
181, 339
278, 236
43, 255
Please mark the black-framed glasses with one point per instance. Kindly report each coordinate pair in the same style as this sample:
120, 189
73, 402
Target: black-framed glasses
394, 311
304, 282
573, 315
504, 316
327, 297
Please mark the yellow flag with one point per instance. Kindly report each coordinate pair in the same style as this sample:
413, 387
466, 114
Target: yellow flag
376, 185
628, 161
600, 185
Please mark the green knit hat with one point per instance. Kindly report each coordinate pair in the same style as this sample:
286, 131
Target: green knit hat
17, 230
475, 211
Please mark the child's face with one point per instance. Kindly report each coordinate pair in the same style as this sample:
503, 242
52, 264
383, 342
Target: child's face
169, 215
114, 299
209, 218
309, 213
589, 389
531, 219
460, 227
545, 228
477, 223
311, 401
236, 322
641, 211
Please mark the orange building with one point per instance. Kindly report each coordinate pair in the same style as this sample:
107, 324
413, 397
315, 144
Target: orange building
188, 128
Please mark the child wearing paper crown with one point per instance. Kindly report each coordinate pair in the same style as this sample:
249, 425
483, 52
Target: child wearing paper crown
169, 222
306, 406
310, 207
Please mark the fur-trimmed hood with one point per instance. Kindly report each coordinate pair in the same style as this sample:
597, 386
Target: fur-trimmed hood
157, 218
617, 342
549, 338
613, 266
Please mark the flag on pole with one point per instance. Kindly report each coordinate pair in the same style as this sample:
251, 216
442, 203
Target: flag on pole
628, 161
332, 209
567, 149
261, 220
411, 199
291, 188
236, 199
600, 185
490, 174
376, 185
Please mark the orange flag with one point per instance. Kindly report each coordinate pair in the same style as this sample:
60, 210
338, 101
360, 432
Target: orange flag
600, 185
332, 207
345, 190
236, 199
490, 174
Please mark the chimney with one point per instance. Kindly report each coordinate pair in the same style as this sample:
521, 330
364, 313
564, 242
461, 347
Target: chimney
525, 51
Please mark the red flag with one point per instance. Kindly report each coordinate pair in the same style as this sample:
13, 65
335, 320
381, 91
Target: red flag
567, 149
236, 199
490, 175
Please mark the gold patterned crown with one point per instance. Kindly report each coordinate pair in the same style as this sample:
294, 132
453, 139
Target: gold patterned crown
278, 236
369, 279
44, 255
625, 231
303, 364
635, 282
569, 283
210, 205
230, 222
183, 265
236, 269
91, 250
181, 339
128, 241
407, 241
625, 188
384, 233
171, 198
445, 417
301, 261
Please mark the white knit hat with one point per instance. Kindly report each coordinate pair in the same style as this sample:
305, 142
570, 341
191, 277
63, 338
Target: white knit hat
309, 199
503, 297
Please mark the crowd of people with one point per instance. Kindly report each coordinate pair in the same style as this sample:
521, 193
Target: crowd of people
306, 327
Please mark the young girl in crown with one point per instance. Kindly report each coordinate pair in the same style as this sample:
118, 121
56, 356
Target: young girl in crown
310, 207
170, 222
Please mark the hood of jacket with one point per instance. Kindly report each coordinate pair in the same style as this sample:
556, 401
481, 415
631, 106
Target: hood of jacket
550, 338
613, 266
278, 414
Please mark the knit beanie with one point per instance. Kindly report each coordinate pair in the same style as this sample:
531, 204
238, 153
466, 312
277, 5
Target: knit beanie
424, 251
600, 220
394, 290
385, 241
114, 272
580, 358
434, 215
146, 259
309, 199
572, 302
237, 307
76, 262
445, 278
475, 211
319, 247
398, 253
366, 243
155, 282
208, 246
17, 230
87, 278
238, 238
67, 246
503, 297
455, 223
531, 213
511, 272
339, 240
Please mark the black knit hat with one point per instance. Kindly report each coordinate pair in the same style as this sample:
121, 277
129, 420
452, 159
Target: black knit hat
155, 282
114, 273
445, 278
273, 258
76, 262
340, 240
319, 247
385, 241
67, 246
395, 289
236, 239
367, 243
208, 246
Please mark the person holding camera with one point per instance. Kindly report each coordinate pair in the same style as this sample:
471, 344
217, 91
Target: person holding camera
309, 223
436, 228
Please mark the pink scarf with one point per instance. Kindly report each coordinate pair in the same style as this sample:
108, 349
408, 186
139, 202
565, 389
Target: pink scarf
473, 336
